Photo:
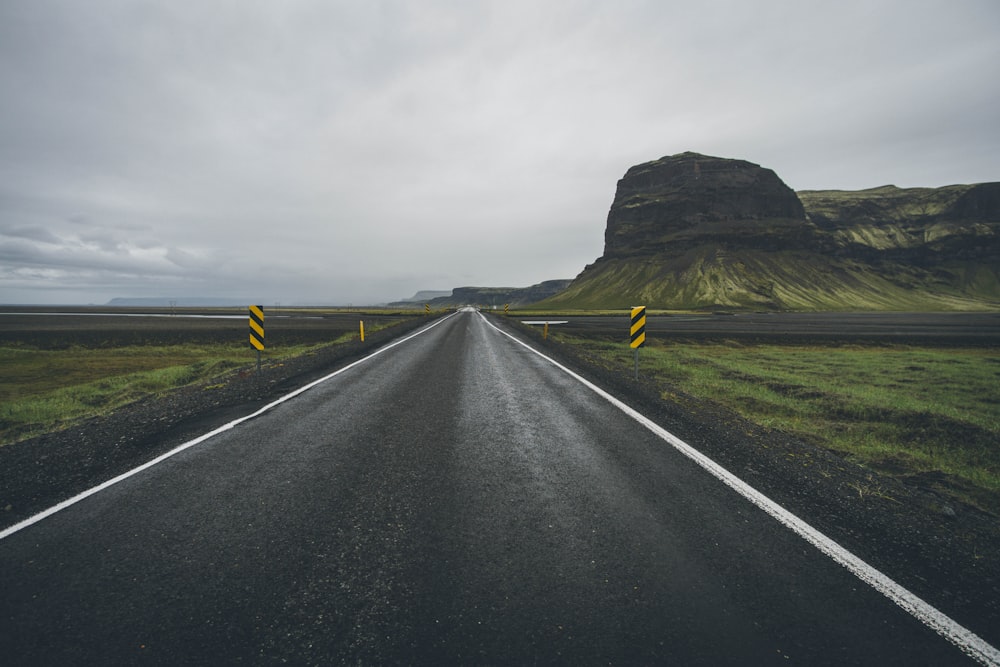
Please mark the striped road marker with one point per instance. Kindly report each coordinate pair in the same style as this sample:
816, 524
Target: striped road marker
257, 330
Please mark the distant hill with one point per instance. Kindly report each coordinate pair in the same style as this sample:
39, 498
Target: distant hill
424, 296
489, 297
692, 231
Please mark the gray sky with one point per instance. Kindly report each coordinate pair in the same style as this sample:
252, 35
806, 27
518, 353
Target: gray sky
355, 152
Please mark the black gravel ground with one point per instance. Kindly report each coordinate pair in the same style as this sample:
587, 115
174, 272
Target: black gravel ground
946, 552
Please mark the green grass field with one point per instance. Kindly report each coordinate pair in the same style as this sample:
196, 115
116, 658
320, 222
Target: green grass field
921, 412
44, 390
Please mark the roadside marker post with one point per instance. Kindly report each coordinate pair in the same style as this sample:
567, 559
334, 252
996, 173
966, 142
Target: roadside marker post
637, 333
257, 330
506, 309
362, 331
545, 325
427, 309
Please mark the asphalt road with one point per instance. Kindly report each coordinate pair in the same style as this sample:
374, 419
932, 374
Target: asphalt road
455, 499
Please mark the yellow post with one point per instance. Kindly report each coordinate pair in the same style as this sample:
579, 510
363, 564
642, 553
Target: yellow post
637, 333
545, 331
362, 331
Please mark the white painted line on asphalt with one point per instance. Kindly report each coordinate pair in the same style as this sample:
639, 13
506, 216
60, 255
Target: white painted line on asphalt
967, 641
6, 532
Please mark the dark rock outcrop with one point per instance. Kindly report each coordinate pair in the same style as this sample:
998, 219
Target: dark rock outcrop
684, 198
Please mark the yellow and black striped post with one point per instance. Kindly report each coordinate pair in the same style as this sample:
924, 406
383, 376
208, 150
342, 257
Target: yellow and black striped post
506, 309
257, 330
427, 309
637, 333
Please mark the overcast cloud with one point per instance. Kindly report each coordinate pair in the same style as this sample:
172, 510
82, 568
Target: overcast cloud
355, 152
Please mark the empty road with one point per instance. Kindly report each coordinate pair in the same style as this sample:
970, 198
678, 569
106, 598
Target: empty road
454, 499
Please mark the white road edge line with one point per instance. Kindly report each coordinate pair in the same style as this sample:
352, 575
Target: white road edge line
6, 532
967, 641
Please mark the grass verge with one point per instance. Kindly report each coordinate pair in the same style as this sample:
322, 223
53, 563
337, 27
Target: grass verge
930, 416
44, 390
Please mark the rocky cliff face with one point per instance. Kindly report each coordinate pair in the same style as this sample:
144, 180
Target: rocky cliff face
682, 199
694, 231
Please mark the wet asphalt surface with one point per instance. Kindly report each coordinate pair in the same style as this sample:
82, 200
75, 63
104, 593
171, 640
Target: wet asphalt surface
453, 500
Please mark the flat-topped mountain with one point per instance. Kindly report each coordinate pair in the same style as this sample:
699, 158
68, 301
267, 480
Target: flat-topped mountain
695, 231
